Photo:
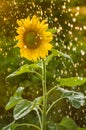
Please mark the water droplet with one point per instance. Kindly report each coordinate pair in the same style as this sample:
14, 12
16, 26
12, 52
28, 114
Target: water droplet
82, 52
74, 19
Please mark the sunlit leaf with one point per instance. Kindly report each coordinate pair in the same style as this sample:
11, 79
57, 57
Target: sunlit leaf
11, 126
24, 69
69, 123
24, 107
77, 99
72, 82
15, 98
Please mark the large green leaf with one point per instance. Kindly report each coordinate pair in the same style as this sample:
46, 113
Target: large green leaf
69, 123
24, 107
72, 82
11, 126
15, 98
77, 99
24, 69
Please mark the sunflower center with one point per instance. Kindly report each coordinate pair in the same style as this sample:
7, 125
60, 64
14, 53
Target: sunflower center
30, 39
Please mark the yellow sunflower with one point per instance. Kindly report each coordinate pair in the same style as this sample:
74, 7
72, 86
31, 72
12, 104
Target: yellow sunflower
33, 38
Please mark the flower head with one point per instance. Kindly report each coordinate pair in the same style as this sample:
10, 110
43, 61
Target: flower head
33, 38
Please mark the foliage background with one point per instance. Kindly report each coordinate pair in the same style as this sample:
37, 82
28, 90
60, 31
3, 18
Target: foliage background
68, 17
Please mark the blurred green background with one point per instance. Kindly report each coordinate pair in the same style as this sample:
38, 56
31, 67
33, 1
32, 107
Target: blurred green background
68, 17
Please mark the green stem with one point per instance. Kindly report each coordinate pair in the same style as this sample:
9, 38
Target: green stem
52, 89
53, 104
44, 96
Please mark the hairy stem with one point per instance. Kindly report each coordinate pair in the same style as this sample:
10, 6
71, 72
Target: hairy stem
52, 89
44, 96
53, 104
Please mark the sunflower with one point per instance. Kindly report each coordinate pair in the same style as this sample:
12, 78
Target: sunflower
33, 38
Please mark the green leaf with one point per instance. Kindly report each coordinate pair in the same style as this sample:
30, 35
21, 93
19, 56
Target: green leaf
59, 53
15, 98
11, 126
69, 123
77, 99
55, 126
24, 107
38, 101
72, 82
24, 69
